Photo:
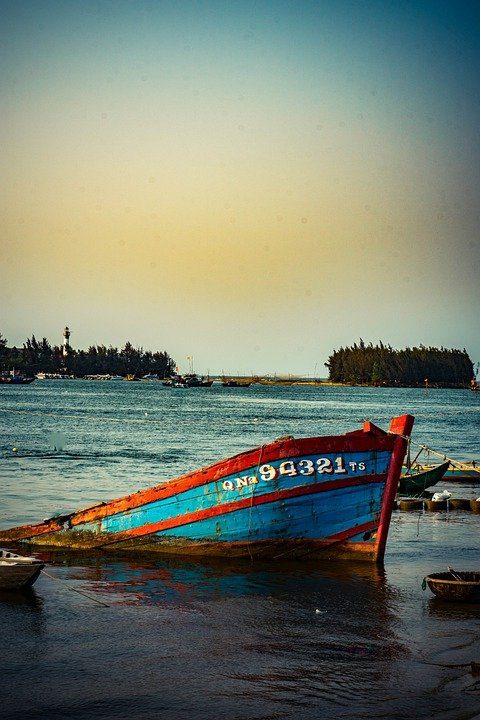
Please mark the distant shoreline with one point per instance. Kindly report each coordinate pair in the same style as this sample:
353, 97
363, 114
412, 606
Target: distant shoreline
267, 381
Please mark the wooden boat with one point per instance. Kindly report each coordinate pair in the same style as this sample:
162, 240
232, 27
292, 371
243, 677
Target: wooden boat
236, 383
455, 586
188, 381
18, 571
15, 378
466, 472
193, 380
415, 483
317, 497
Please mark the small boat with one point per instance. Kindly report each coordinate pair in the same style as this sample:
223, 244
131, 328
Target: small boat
18, 571
193, 380
236, 383
322, 497
454, 585
464, 472
415, 483
15, 378
188, 381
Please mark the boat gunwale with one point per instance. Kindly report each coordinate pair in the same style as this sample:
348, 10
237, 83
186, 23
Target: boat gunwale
440, 578
292, 448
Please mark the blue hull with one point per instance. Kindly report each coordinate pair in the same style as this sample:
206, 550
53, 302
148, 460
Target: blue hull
295, 496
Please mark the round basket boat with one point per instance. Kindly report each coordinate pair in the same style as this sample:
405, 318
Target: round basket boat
461, 587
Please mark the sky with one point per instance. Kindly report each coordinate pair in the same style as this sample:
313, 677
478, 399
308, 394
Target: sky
253, 184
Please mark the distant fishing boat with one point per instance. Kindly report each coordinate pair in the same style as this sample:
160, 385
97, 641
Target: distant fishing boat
18, 571
318, 497
229, 382
188, 381
15, 378
53, 376
414, 483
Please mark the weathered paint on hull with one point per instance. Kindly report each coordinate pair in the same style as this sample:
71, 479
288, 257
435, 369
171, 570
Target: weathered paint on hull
294, 498
298, 549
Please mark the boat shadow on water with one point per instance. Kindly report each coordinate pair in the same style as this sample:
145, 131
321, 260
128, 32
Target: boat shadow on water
26, 597
260, 595
165, 580
337, 626
453, 610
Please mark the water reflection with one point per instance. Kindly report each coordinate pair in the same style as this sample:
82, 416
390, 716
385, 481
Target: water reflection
300, 640
22, 625
349, 606
452, 610
27, 599
173, 578
262, 620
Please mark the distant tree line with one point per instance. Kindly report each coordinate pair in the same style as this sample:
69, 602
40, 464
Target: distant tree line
39, 356
382, 365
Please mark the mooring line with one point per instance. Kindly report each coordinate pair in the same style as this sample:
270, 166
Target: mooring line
460, 465
89, 597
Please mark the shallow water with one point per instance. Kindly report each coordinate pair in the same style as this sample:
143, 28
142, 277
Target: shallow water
185, 639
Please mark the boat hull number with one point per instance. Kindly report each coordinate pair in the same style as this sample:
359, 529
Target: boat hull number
294, 468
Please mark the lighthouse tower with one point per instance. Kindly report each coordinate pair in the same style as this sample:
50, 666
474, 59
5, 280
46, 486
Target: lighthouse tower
66, 344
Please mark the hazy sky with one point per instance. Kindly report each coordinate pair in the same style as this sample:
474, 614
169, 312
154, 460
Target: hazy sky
251, 183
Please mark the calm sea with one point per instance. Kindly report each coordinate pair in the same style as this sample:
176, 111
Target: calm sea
183, 639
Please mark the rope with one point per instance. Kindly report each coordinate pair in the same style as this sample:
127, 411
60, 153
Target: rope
89, 597
456, 463
411, 464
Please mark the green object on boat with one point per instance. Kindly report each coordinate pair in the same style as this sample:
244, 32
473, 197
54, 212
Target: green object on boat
414, 483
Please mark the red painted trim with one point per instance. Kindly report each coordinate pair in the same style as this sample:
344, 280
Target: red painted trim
24, 532
217, 510
365, 442
403, 426
369, 439
346, 534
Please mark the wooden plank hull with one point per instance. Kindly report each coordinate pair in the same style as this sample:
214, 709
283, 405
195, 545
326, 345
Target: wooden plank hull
19, 576
324, 496
466, 473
